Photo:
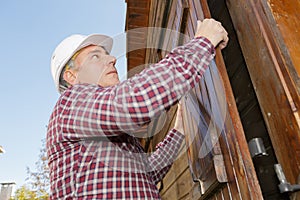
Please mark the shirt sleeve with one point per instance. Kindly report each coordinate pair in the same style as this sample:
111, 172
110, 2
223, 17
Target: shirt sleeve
165, 154
91, 110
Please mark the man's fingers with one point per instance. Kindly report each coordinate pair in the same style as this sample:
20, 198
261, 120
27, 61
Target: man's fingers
213, 31
199, 22
224, 42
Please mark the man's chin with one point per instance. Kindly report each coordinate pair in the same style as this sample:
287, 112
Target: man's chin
111, 83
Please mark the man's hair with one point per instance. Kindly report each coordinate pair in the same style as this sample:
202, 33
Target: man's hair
63, 84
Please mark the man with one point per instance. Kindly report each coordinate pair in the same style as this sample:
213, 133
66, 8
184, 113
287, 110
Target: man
92, 149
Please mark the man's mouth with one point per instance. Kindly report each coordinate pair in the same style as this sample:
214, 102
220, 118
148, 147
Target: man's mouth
112, 72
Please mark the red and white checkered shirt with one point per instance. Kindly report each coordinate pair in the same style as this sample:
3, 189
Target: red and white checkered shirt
92, 151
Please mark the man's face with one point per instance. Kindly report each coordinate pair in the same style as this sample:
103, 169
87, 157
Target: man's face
95, 66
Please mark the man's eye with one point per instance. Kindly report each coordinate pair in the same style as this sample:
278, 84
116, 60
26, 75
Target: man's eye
95, 56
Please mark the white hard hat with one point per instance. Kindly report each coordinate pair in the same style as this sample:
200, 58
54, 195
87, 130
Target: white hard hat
69, 46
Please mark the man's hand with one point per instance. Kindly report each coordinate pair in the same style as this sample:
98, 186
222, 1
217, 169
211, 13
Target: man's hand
213, 31
179, 120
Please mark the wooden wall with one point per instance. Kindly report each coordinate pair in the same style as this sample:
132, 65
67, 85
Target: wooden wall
178, 184
263, 59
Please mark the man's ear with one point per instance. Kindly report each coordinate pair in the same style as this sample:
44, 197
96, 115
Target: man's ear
70, 76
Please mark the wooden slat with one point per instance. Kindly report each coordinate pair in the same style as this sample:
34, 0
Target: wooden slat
184, 183
169, 180
179, 176
179, 166
171, 193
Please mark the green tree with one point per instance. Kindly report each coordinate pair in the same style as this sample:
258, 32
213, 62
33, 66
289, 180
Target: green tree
39, 179
24, 193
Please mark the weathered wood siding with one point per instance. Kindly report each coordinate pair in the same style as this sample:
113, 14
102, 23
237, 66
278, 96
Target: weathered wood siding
178, 184
260, 74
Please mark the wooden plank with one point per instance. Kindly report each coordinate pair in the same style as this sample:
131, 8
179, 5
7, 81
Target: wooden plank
168, 180
178, 181
275, 90
181, 164
170, 194
213, 112
184, 184
185, 197
192, 18
177, 169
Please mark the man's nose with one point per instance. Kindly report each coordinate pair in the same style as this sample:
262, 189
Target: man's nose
111, 60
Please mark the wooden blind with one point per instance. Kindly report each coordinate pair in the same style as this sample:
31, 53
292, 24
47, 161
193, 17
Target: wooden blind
204, 116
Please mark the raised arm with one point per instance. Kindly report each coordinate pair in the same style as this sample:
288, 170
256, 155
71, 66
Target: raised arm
97, 111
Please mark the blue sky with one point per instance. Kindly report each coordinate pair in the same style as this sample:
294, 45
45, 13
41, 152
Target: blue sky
30, 30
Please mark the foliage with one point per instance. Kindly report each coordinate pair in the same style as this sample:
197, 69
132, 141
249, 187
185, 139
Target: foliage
24, 193
38, 180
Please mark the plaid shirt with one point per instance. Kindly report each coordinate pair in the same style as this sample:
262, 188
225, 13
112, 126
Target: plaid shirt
92, 151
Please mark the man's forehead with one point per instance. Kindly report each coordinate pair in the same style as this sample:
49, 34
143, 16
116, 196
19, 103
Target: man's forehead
92, 49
